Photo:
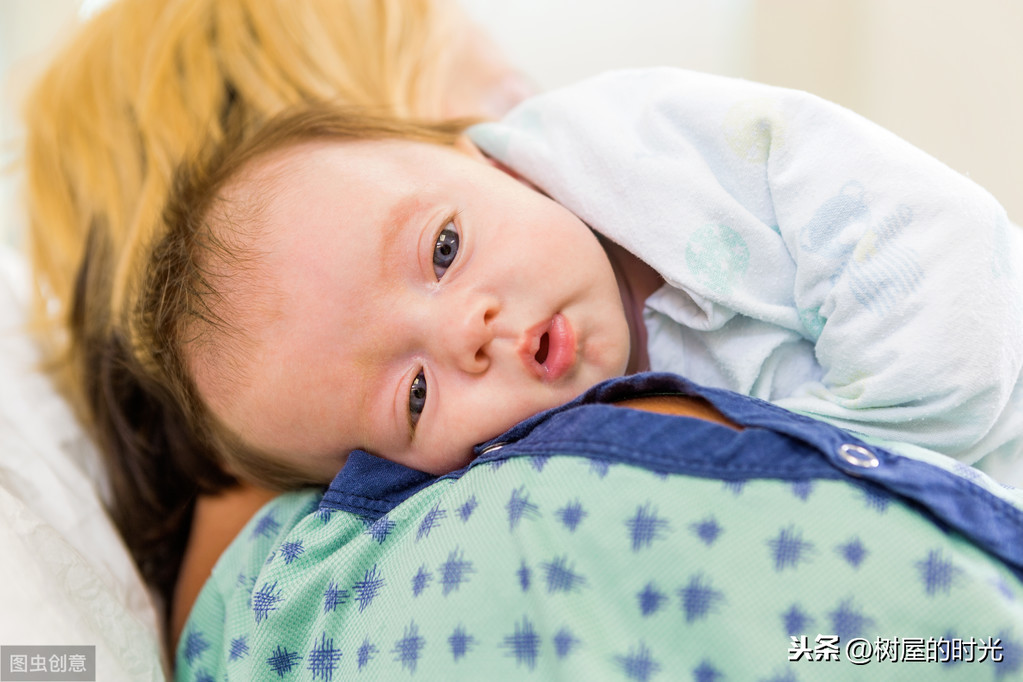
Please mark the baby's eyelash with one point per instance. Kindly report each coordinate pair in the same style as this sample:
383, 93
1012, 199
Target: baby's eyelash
416, 400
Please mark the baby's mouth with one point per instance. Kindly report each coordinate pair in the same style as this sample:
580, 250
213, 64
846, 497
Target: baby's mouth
548, 349
545, 343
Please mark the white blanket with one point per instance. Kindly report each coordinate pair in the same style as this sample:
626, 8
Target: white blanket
66, 577
812, 258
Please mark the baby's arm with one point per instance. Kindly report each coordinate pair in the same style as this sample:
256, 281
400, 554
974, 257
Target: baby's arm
907, 279
796, 234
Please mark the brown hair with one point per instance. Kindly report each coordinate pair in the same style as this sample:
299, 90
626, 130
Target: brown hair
182, 299
142, 87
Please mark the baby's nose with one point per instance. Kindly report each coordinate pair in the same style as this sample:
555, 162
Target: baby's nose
467, 337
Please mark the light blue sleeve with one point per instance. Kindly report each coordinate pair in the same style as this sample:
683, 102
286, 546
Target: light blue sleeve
797, 234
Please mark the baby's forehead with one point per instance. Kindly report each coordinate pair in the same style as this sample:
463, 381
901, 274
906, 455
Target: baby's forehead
305, 156
274, 168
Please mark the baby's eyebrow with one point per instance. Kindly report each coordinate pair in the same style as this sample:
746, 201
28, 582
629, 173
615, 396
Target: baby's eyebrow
395, 242
401, 213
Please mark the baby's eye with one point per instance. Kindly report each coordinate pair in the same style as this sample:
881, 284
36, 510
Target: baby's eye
416, 398
445, 250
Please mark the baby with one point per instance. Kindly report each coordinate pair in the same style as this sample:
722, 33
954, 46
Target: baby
345, 282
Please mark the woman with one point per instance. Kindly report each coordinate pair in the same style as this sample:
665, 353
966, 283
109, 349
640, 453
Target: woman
142, 87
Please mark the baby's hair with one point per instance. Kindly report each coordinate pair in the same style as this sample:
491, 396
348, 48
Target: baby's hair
140, 87
209, 241
145, 85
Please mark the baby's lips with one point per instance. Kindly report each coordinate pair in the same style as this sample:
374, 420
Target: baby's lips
560, 355
561, 348
530, 344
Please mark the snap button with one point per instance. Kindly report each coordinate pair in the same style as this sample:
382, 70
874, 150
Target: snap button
493, 447
858, 456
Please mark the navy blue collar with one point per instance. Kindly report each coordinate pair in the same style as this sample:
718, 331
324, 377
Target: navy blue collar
775, 444
371, 486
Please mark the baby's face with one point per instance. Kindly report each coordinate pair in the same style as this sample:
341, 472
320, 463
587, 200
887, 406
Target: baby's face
424, 302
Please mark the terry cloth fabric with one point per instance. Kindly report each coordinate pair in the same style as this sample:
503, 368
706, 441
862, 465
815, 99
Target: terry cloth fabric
604, 543
811, 257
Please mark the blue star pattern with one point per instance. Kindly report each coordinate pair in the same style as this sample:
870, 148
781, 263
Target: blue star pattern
875, 498
645, 527
245, 582
266, 600
853, 552
848, 621
1004, 588
460, 642
651, 599
195, 645
466, 510
365, 653
600, 467
539, 461
421, 580
443, 575
698, 598
407, 649
707, 530
368, 588
333, 597
564, 642
795, 621
525, 576
945, 649
788, 549
705, 672
265, 527
324, 514
735, 487
1012, 657
802, 489
937, 574
454, 571
520, 507
523, 644
529, 643
638, 664
323, 659
571, 515
239, 648
282, 661
560, 576
380, 529
430, 521
291, 550
203, 676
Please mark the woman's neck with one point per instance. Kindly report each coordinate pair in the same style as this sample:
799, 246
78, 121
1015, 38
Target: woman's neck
636, 282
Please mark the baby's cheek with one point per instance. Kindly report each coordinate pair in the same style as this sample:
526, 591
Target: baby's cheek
450, 457
491, 419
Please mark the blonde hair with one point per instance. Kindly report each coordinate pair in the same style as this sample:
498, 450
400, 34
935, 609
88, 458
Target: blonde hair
147, 84
144, 87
